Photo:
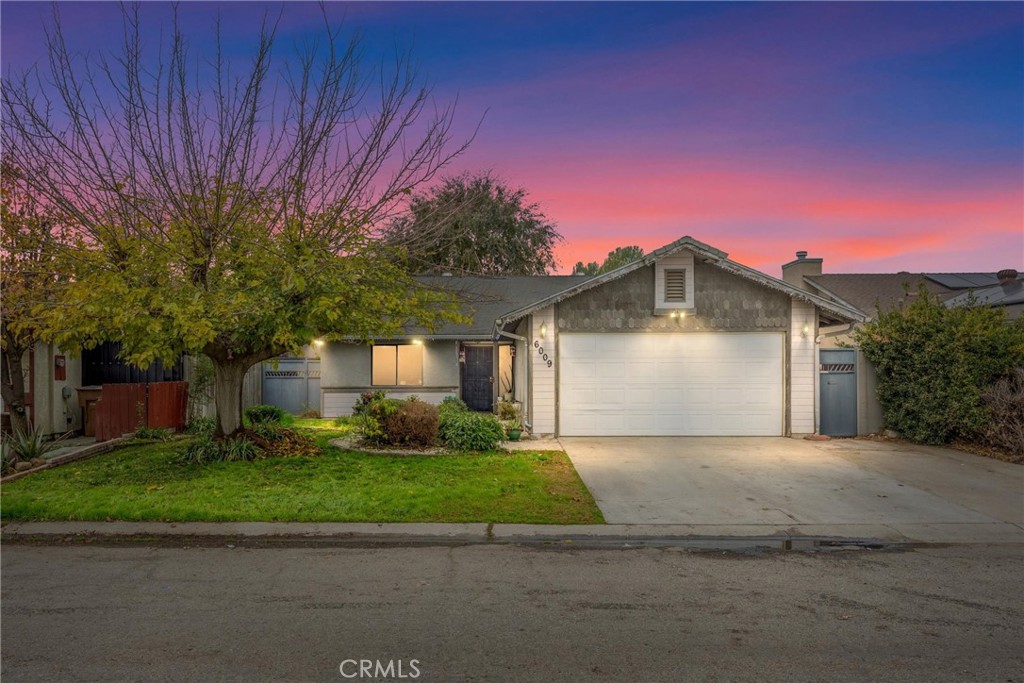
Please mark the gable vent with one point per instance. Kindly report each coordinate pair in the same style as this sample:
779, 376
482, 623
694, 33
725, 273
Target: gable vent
675, 285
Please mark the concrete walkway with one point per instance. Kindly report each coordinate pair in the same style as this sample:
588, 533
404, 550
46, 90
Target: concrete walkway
849, 488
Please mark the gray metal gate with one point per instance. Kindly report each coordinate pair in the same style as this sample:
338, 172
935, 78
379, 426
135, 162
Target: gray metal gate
838, 382
293, 385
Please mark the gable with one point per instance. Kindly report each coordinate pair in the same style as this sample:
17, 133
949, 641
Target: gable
721, 301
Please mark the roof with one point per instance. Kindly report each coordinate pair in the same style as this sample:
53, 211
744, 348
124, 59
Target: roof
998, 295
486, 299
835, 311
866, 291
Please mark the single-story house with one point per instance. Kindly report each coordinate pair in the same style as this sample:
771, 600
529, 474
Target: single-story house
847, 381
683, 341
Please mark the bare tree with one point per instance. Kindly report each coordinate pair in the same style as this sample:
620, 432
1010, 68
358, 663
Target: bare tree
195, 184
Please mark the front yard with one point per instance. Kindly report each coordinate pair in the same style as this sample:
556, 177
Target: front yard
143, 482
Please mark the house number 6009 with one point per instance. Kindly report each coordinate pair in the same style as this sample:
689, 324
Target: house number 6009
540, 352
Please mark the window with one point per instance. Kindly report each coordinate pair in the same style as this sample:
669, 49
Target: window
395, 366
675, 285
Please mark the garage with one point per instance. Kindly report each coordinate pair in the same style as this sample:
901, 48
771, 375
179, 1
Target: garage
651, 384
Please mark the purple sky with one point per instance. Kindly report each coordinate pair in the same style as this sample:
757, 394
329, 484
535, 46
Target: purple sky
881, 137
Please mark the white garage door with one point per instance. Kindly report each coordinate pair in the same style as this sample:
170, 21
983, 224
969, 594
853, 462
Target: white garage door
692, 384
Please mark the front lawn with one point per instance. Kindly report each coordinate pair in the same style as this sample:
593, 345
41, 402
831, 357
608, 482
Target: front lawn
142, 482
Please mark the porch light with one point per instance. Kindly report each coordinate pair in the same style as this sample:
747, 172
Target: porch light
805, 331
543, 330
417, 342
318, 342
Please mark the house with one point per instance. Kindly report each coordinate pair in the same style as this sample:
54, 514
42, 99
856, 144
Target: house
681, 342
848, 400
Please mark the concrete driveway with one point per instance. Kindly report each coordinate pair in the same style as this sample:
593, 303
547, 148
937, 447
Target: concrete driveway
753, 486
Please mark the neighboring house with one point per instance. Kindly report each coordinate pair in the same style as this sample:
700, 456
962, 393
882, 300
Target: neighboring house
681, 342
847, 381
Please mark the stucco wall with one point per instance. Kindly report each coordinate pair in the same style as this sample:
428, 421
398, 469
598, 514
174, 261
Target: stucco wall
52, 413
722, 302
345, 373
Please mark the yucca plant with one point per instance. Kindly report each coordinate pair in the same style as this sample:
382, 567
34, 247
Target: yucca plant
31, 444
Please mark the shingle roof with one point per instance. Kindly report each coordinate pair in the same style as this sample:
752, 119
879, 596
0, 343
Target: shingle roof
997, 295
868, 290
486, 299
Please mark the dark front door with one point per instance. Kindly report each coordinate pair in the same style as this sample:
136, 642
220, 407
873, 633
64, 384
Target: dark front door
838, 378
478, 377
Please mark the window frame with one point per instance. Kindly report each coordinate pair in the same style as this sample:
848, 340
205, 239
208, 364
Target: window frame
373, 349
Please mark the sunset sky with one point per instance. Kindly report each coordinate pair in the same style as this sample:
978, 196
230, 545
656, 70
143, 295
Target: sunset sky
880, 137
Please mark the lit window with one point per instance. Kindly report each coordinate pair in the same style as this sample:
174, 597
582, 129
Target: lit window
395, 366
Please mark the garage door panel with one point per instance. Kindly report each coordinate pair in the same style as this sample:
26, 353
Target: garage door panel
684, 384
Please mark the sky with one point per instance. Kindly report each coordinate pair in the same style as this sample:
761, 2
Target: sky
880, 137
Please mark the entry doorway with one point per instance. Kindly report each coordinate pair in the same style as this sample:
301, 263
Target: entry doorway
486, 374
837, 375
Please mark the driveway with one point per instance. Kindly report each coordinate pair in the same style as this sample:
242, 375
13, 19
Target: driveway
758, 486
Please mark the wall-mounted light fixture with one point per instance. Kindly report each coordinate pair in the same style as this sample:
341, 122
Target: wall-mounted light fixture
543, 330
805, 331
417, 342
318, 342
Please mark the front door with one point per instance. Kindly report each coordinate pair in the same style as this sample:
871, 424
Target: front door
478, 377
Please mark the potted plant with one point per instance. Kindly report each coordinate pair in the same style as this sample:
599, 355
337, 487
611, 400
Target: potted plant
514, 429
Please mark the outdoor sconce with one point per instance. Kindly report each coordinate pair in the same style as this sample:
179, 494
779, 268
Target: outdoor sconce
543, 330
805, 331
462, 356
678, 315
417, 342
318, 342
512, 351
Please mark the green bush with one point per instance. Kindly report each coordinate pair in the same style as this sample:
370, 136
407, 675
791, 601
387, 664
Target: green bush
506, 410
204, 449
935, 363
154, 433
264, 413
366, 399
31, 445
465, 431
372, 418
201, 425
414, 423
1005, 403
452, 404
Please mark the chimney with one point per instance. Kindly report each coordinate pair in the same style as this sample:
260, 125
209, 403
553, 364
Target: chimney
793, 272
1007, 276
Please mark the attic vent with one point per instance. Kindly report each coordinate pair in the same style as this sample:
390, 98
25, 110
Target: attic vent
675, 285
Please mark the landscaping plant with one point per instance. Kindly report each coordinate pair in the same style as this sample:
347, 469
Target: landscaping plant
935, 364
1005, 403
154, 433
264, 413
452, 404
414, 423
471, 431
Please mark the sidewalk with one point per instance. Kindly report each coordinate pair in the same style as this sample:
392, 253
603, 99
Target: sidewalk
609, 535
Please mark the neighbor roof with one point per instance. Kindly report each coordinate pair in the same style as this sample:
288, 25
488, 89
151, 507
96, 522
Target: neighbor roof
1009, 294
866, 291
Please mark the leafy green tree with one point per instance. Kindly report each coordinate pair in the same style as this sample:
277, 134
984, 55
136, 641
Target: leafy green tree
30, 239
935, 363
227, 209
620, 256
475, 225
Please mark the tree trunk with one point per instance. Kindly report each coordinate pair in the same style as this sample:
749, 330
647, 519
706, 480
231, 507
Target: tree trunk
227, 392
12, 387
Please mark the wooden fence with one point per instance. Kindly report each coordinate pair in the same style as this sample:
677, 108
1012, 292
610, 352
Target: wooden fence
124, 408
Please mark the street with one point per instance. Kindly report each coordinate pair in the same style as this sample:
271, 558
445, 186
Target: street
494, 613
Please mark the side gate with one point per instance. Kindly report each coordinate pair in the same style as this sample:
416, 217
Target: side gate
837, 380
293, 385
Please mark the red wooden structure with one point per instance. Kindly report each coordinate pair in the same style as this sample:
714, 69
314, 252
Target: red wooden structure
124, 408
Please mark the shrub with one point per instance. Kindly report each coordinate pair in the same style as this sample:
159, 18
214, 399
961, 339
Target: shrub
264, 413
1005, 403
414, 423
201, 425
205, 449
372, 419
154, 433
452, 404
310, 414
506, 410
467, 431
934, 363
365, 399
31, 444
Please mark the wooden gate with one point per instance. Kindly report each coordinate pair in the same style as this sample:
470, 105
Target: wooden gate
124, 408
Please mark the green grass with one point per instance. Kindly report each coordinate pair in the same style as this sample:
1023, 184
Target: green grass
143, 482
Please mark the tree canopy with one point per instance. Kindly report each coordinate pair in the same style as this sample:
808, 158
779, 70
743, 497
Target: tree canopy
475, 225
228, 208
620, 256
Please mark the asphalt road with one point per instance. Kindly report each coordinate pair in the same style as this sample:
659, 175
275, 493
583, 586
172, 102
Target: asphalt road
496, 613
